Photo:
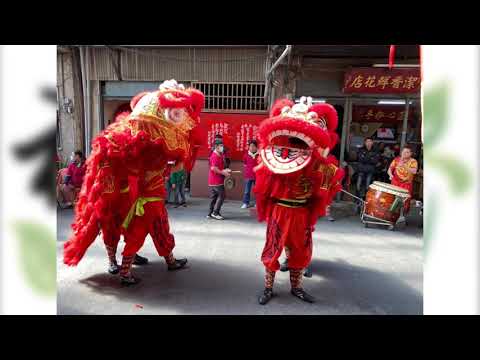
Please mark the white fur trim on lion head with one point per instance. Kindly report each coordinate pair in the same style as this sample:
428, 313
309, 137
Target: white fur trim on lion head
171, 85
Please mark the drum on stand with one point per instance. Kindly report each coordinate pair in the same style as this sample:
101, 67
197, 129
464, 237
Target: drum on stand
385, 201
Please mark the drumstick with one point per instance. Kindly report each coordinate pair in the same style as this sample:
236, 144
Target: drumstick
346, 192
236, 171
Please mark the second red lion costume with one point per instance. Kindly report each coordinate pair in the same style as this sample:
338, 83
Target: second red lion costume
296, 180
130, 157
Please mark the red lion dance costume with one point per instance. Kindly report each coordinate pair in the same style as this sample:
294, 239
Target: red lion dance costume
296, 180
123, 191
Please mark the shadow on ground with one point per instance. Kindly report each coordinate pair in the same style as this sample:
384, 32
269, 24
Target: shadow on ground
220, 288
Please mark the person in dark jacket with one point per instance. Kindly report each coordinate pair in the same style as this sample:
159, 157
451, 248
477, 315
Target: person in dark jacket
368, 159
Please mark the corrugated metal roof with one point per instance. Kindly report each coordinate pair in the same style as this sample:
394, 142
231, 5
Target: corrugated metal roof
181, 63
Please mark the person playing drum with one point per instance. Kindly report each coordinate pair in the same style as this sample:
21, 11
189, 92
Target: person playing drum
402, 171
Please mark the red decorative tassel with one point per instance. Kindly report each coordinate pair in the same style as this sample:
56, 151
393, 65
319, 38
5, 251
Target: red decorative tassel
391, 57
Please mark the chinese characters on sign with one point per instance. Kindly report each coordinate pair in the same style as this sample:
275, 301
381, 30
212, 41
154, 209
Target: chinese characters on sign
247, 132
383, 114
379, 80
236, 131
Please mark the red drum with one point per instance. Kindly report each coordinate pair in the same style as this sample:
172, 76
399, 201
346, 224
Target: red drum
384, 201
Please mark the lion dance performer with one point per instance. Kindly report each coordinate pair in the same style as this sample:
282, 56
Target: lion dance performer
130, 157
296, 180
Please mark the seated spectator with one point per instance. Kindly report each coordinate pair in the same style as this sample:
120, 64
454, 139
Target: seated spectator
73, 181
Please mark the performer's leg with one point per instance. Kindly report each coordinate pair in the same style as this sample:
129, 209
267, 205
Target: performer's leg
301, 246
273, 248
284, 265
162, 238
134, 240
268, 292
111, 237
308, 271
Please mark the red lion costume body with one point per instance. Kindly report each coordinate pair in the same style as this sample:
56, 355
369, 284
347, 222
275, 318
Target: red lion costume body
296, 181
123, 191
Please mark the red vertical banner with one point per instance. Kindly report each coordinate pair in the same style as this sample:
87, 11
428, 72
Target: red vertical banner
236, 130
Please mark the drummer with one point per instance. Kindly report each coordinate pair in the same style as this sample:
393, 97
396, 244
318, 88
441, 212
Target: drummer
216, 178
402, 171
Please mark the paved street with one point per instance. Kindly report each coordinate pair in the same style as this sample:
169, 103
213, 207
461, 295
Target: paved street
356, 270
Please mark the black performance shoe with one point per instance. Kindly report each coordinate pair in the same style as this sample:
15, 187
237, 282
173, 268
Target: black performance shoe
140, 260
265, 297
113, 269
177, 265
284, 266
308, 273
302, 295
128, 281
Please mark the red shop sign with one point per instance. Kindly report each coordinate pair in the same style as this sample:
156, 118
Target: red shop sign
382, 81
382, 114
236, 129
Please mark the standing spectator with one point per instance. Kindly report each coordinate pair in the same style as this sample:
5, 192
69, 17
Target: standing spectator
226, 151
402, 171
250, 160
73, 180
216, 176
367, 161
177, 180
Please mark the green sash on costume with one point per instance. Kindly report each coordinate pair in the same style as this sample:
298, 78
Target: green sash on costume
137, 209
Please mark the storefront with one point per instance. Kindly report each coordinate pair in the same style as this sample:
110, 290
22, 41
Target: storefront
371, 102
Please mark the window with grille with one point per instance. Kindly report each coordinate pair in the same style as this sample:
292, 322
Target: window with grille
233, 97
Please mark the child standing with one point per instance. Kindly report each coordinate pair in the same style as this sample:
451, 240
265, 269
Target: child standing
177, 181
250, 160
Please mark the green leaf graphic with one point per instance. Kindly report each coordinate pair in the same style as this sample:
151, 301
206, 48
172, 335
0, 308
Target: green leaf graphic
455, 171
37, 256
435, 108
430, 220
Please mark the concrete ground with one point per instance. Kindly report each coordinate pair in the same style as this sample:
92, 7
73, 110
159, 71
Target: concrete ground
357, 270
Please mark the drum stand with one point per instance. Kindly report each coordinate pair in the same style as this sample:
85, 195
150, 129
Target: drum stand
368, 219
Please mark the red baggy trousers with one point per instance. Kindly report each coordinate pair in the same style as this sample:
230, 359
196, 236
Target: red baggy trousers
154, 222
288, 227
